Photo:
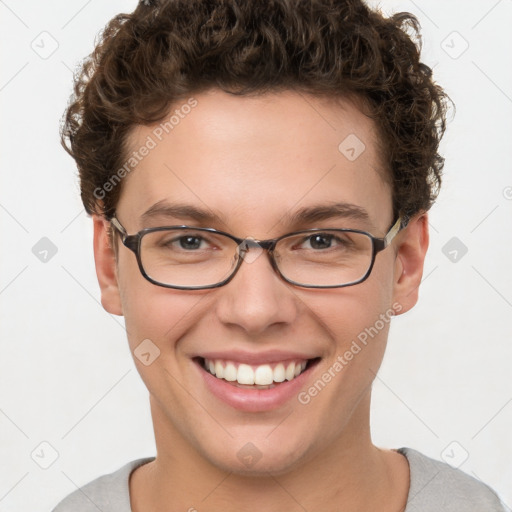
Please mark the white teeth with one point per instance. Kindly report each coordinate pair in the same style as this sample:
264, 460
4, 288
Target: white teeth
219, 370
279, 373
290, 371
261, 375
245, 374
230, 372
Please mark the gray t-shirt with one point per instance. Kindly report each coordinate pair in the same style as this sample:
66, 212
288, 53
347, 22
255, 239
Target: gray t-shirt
435, 487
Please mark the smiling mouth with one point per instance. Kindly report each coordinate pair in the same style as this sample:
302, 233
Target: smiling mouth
264, 376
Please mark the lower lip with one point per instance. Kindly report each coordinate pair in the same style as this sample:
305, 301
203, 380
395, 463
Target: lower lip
255, 400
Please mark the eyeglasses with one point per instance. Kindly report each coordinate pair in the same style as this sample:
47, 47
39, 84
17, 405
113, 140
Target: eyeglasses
190, 258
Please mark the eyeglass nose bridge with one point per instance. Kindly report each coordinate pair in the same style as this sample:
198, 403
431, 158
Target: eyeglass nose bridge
249, 249
250, 242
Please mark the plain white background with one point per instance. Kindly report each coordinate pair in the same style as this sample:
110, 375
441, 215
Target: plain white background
67, 379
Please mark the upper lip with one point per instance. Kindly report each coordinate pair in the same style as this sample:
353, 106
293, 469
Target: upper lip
256, 358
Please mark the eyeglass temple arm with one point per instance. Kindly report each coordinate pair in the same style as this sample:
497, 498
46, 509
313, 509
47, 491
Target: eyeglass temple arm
400, 223
118, 226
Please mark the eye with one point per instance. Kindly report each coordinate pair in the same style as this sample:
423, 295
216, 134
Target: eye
320, 241
186, 242
190, 242
178, 241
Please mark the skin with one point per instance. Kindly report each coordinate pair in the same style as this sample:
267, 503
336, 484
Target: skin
252, 160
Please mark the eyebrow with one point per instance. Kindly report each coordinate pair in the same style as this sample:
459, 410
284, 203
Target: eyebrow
308, 215
179, 211
305, 215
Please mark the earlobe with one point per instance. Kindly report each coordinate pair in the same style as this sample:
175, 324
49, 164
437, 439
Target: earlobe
105, 261
409, 262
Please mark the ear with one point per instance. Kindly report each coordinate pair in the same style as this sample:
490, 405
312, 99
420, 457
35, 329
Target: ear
412, 244
105, 259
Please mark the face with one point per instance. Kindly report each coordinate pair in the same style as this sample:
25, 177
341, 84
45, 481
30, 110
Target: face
253, 163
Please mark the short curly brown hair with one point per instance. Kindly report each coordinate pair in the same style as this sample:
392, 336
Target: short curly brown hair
167, 50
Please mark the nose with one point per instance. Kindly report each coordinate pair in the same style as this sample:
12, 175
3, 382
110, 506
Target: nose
257, 298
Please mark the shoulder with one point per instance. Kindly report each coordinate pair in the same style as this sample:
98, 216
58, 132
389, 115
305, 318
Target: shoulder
437, 486
107, 493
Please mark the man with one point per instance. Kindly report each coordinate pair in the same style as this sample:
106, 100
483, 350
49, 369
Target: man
259, 176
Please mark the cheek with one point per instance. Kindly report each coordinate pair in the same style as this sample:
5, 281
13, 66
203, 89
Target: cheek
346, 312
160, 315
357, 320
358, 335
153, 312
156, 320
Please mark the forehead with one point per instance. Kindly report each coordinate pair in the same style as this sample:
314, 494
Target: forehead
255, 160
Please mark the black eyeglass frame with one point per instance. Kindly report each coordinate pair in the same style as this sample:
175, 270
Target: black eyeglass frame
133, 242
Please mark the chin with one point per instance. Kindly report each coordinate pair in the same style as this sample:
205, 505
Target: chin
257, 456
